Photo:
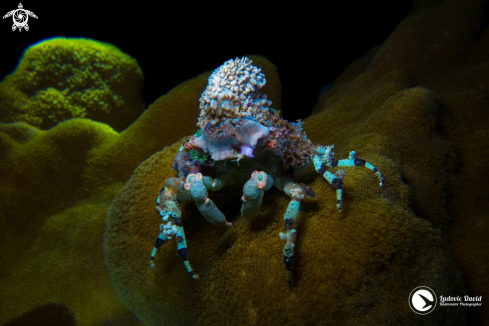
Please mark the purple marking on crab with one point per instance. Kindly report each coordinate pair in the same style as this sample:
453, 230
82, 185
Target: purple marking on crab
251, 133
246, 151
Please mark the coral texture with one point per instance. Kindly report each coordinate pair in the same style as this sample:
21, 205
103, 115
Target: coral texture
233, 92
356, 265
56, 186
236, 119
441, 47
63, 78
416, 108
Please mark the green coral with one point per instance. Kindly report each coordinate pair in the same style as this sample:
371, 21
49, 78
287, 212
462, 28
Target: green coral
56, 186
63, 78
421, 119
196, 156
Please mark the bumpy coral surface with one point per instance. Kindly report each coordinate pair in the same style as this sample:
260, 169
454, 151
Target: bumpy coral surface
59, 79
56, 186
414, 107
236, 119
441, 48
356, 265
233, 92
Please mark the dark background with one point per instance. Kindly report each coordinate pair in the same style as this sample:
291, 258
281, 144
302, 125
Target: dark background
311, 44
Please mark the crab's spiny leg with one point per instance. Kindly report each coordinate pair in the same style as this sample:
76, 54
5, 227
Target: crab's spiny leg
159, 242
168, 205
355, 161
182, 246
173, 208
253, 191
293, 190
321, 164
167, 230
206, 206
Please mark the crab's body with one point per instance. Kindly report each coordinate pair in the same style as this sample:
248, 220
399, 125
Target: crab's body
240, 137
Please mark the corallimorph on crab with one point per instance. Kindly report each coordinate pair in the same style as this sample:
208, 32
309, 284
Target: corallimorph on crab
240, 136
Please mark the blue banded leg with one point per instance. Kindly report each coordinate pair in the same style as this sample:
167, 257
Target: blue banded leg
323, 160
167, 230
182, 247
296, 192
335, 179
159, 242
353, 160
173, 226
289, 235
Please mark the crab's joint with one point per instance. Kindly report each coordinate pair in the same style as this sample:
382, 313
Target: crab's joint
182, 249
198, 191
289, 235
377, 172
182, 252
159, 242
253, 192
353, 160
289, 265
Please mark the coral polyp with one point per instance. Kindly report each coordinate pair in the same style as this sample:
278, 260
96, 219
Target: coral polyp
242, 135
233, 93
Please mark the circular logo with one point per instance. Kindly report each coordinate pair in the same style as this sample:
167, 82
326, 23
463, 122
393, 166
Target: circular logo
422, 300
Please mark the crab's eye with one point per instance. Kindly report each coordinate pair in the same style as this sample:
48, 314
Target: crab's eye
173, 215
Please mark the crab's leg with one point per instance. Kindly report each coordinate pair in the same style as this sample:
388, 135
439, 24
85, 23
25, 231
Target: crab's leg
159, 242
353, 160
182, 246
335, 179
212, 184
324, 159
168, 205
206, 206
293, 190
167, 230
253, 191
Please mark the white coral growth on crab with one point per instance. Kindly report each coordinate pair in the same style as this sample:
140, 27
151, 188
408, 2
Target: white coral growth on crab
233, 93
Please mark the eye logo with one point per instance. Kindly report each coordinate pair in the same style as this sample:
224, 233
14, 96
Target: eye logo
422, 300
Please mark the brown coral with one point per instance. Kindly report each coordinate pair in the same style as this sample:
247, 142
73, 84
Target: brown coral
414, 107
295, 147
351, 266
441, 47
56, 186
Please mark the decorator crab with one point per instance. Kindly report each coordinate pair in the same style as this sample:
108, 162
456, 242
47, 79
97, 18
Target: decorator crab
240, 136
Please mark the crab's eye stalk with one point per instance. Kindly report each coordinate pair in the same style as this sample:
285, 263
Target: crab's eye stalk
272, 144
188, 145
